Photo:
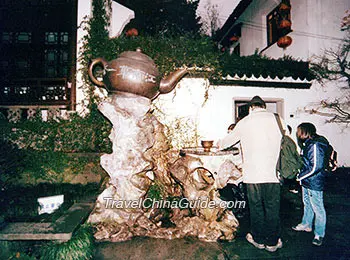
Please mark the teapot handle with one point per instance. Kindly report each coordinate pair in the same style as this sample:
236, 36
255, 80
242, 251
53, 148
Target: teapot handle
98, 61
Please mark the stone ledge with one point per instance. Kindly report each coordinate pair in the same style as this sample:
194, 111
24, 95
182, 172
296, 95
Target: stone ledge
61, 230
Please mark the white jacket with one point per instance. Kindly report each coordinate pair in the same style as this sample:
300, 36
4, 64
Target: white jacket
260, 139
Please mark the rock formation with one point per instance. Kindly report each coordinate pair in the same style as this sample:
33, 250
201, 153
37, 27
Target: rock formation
143, 169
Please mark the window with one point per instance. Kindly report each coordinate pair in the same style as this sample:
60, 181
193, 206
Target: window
56, 38
6, 37
22, 67
241, 107
278, 23
232, 39
64, 38
64, 57
56, 54
236, 49
23, 37
51, 38
36, 44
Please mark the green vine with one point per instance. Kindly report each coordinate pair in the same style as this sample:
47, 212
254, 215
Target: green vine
96, 42
195, 51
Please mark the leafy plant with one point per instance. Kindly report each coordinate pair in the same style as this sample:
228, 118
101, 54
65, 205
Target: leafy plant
182, 132
11, 250
79, 247
156, 191
11, 161
41, 148
96, 42
162, 17
76, 134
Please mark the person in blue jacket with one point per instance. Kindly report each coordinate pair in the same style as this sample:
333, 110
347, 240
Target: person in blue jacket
312, 176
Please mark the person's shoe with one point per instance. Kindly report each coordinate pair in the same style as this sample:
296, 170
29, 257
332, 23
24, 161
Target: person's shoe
250, 239
274, 248
317, 241
301, 227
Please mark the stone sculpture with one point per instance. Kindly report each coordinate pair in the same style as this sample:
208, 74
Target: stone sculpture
141, 159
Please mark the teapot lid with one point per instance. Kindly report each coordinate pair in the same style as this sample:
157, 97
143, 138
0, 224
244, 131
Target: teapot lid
137, 55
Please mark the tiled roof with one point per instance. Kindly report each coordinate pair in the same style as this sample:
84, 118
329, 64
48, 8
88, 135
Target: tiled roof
276, 82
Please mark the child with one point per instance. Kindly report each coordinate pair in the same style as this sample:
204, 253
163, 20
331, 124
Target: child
312, 179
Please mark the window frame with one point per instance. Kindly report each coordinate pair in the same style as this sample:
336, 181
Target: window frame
241, 101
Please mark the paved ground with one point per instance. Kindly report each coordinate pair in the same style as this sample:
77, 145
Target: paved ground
296, 245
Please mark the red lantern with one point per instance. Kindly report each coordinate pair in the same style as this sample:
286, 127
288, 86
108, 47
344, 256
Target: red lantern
132, 32
284, 41
234, 38
285, 24
284, 7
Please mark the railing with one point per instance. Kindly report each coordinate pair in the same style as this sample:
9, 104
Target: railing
35, 91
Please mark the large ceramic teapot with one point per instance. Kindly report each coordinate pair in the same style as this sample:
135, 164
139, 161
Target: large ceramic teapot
134, 72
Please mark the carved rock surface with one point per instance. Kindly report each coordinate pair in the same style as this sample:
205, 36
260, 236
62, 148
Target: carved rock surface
141, 158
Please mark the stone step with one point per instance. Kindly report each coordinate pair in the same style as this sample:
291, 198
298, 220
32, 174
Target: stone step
61, 230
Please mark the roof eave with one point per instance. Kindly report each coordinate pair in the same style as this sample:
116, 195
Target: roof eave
230, 22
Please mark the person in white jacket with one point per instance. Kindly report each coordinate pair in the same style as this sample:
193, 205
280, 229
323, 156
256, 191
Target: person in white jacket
260, 138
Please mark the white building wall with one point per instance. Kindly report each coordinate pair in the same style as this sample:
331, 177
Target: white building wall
217, 113
315, 25
120, 17
84, 10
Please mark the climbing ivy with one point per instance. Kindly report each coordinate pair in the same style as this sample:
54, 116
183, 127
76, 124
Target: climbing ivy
171, 51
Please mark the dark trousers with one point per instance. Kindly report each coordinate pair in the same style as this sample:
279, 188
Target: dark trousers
264, 208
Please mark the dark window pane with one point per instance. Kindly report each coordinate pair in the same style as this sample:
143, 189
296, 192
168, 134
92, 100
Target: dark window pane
64, 38
51, 38
51, 71
64, 56
6, 37
50, 56
23, 37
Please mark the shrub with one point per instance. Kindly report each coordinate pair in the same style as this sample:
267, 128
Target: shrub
79, 247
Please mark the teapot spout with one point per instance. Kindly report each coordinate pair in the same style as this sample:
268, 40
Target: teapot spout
169, 83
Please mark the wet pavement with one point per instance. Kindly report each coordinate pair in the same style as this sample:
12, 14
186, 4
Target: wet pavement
296, 245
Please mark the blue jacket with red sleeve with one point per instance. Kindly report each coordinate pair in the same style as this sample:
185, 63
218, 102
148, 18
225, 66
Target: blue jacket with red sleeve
313, 172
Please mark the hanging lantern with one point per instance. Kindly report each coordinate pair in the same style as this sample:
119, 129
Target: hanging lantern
284, 7
132, 32
284, 41
285, 24
234, 38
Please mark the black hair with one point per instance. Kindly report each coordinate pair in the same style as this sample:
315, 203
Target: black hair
257, 102
307, 130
